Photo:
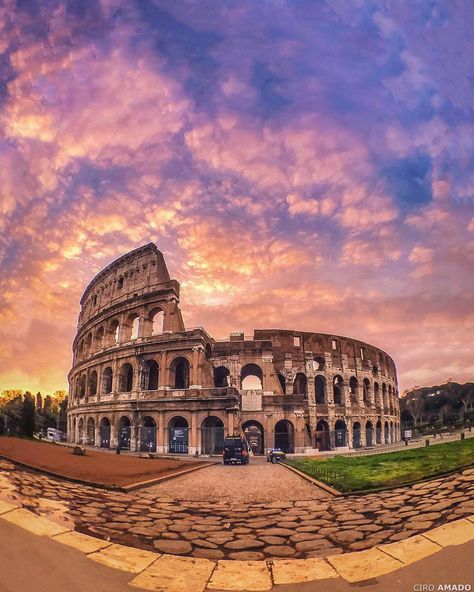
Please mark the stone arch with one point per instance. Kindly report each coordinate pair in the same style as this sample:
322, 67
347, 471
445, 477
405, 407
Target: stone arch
366, 390
392, 432
88, 344
300, 384
113, 332
282, 382
91, 431
221, 377
179, 373
107, 380
356, 435
81, 430
124, 432
131, 327
354, 390
340, 433
320, 389
82, 386
337, 385
378, 432
126, 378
212, 435
156, 316
178, 428
285, 435
319, 364
151, 375
104, 432
369, 430
92, 390
322, 435
255, 435
99, 337
148, 434
251, 377
80, 349
386, 433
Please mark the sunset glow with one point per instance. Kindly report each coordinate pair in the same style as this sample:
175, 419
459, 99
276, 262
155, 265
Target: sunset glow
301, 165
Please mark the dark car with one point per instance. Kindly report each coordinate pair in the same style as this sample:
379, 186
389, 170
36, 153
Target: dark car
236, 450
275, 454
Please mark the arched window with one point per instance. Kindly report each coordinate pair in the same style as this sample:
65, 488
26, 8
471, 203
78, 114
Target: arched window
90, 432
93, 383
113, 333
157, 317
337, 390
180, 373
281, 380
151, 375
251, 377
320, 389
126, 378
107, 381
99, 338
82, 390
221, 377
89, 343
300, 385
319, 364
366, 391
120, 283
135, 327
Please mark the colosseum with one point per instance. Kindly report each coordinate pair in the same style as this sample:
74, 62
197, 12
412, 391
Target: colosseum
142, 381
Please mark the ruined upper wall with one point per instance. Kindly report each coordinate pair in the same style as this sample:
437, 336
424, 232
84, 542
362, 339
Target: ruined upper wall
139, 272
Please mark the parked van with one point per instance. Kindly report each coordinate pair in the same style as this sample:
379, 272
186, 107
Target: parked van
236, 450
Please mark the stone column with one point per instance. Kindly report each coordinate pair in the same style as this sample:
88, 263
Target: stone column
192, 444
194, 378
230, 423
162, 442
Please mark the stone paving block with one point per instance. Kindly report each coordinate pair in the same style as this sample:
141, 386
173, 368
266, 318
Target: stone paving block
471, 518
240, 575
82, 542
175, 574
6, 507
364, 565
411, 550
124, 558
33, 523
295, 571
453, 533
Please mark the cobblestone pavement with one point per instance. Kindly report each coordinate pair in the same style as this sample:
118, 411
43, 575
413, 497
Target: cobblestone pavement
221, 514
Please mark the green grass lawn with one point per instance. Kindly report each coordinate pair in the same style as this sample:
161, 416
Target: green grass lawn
384, 470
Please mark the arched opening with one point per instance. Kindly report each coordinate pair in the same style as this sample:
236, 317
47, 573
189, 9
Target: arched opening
282, 382
80, 350
322, 436
124, 433
93, 383
319, 364
375, 371
369, 434
178, 435
354, 390
135, 327
221, 377
82, 388
320, 389
89, 343
90, 432
157, 317
378, 432
340, 434
148, 435
104, 432
356, 435
126, 378
99, 338
337, 390
113, 333
251, 378
254, 433
377, 394
285, 436
300, 385
212, 435
386, 434
81, 431
107, 381
384, 397
120, 283
366, 391
179, 371
392, 432
151, 376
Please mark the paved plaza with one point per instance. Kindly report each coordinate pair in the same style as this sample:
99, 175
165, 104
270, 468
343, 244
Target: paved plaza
253, 512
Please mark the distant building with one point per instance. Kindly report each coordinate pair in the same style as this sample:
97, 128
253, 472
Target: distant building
142, 381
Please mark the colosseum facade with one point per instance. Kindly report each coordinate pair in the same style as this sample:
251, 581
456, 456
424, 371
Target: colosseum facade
140, 380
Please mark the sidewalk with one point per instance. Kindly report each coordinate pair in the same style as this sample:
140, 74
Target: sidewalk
39, 564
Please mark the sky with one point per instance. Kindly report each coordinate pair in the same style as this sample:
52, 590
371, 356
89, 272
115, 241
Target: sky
301, 164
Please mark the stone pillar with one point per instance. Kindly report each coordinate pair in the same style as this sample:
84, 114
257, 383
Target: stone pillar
162, 441
267, 369
164, 370
97, 434
230, 423
194, 378
193, 444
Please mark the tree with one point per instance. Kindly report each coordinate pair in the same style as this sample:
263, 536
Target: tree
28, 415
415, 403
39, 402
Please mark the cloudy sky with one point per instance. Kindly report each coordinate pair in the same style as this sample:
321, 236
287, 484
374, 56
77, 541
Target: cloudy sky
302, 164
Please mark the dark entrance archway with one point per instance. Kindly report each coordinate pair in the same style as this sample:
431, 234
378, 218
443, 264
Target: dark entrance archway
178, 429
340, 434
378, 432
356, 435
104, 432
148, 435
212, 435
285, 436
124, 433
369, 430
254, 431
322, 436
